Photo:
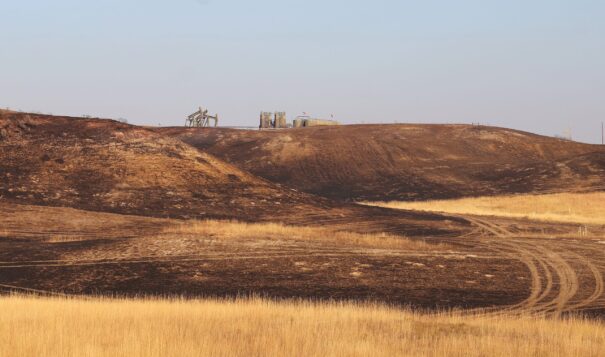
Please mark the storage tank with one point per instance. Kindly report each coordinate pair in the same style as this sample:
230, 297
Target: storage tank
265, 120
280, 120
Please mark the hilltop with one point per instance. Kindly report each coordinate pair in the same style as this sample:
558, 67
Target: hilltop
406, 161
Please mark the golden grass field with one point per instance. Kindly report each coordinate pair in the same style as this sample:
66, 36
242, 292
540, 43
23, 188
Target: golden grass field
582, 208
278, 231
36, 326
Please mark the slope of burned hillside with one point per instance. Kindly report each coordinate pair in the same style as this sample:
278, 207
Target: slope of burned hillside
581, 173
104, 165
406, 162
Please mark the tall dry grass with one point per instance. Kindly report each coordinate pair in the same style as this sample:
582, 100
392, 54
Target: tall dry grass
278, 231
582, 208
32, 327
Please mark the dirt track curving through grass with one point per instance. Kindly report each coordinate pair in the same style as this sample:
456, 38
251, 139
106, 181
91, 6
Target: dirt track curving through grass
554, 267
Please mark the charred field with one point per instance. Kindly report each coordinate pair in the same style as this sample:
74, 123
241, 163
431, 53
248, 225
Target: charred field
97, 207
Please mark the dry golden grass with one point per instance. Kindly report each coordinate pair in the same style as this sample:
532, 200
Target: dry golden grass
65, 239
31, 326
277, 231
582, 208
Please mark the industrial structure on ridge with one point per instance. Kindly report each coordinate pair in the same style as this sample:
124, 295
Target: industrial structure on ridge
201, 119
278, 120
268, 120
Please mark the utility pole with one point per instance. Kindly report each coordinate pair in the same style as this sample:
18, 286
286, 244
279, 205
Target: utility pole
602, 134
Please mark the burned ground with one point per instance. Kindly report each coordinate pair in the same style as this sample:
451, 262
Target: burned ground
58, 174
405, 161
497, 265
99, 253
104, 165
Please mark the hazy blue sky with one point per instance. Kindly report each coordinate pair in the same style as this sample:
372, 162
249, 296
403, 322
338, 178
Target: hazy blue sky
535, 65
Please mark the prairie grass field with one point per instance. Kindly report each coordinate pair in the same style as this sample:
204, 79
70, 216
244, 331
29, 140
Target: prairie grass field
582, 208
56, 326
227, 230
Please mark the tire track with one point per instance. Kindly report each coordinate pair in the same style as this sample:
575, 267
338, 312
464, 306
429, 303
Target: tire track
599, 285
523, 255
553, 265
544, 265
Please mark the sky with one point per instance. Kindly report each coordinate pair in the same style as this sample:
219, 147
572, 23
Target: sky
533, 65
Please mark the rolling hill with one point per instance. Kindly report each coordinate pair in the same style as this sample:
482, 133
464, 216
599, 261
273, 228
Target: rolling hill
444, 260
105, 165
406, 161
